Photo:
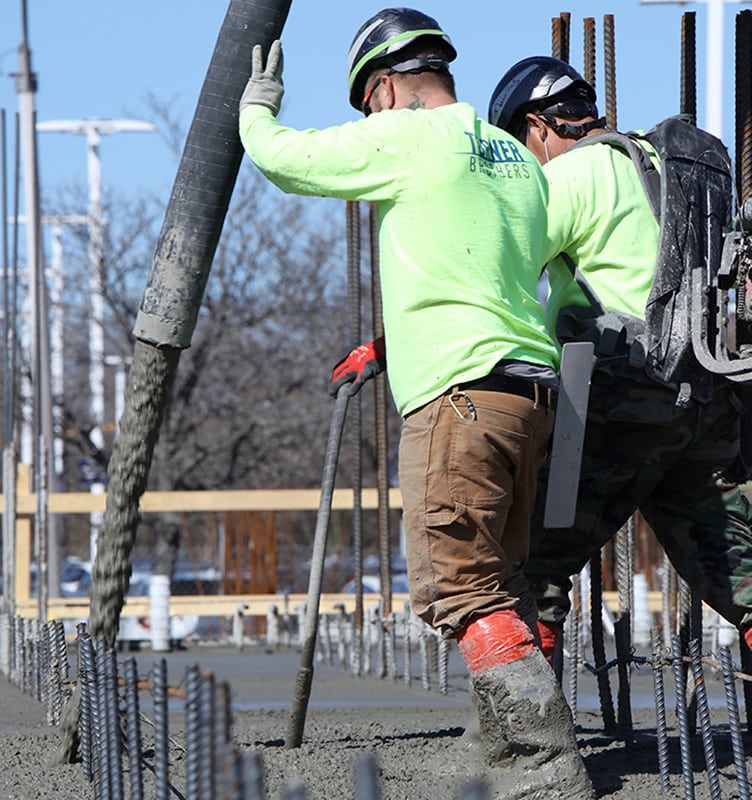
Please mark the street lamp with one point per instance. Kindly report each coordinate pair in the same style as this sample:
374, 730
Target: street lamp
714, 61
94, 129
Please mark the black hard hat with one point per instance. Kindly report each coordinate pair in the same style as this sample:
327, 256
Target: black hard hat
540, 83
379, 41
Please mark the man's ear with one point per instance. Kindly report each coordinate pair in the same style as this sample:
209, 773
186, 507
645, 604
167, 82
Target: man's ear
535, 122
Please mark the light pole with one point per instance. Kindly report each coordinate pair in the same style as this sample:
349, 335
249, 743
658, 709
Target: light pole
713, 61
94, 129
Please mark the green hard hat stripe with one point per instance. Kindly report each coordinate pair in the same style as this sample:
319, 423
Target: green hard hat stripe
371, 54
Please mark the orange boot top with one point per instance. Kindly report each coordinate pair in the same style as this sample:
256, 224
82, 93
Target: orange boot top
495, 639
550, 635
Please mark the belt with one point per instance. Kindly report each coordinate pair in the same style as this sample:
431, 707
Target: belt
509, 384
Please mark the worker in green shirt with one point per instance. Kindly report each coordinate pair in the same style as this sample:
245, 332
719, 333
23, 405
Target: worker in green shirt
461, 210
646, 447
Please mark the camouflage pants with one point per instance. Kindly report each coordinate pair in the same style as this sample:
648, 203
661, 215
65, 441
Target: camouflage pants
681, 468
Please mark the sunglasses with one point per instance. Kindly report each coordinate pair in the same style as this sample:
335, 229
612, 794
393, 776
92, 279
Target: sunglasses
364, 106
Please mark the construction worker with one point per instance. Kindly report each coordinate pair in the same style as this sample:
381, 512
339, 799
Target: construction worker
675, 458
461, 207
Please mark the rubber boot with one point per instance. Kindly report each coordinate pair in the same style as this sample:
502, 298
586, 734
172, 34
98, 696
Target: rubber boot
551, 636
525, 725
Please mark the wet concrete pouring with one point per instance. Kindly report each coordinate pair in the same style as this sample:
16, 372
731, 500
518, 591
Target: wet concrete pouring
414, 734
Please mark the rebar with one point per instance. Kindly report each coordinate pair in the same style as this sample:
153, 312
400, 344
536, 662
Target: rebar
133, 731
407, 673
572, 630
344, 635
102, 744
706, 732
193, 731
425, 670
681, 716
52, 677
589, 58
609, 63
161, 731
599, 648
87, 684
557, 38
114, 742
352, 210
208, 718
732, 706
253, 776
688, 87
746, 662
391, 648
622, 634
443, 665
743, 103
660, 710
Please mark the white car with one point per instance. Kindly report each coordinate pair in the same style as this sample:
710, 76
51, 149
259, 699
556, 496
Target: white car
135, 630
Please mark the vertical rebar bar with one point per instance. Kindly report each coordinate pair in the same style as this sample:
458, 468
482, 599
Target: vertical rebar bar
732, 705
222, 745
114, 744
208, 717
133, 731
668, 597
101, 719
443, 665
392, 647
425, 669
87, 683
660, 710
745, 655
681, 716
352, 212
743, 103
382, 449
407, 640
688, 87
572, 630
609, 64
599, 647
623, 654
557, 49
706, 732
588, 47
193, 732
161, 732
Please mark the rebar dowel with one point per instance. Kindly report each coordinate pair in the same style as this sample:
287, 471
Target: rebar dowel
53, 674
623, 637
681, 716
407, 674
392, 648
99, 718
380, 407
222, 722
62, 651
352, 209
366, 778
161, 732
133, 731
688, 87
668, 594
208, 719
425, 670
86, 680
609, 63
565, 18
192, 731
114, 746
573, 639
382, 638
253, 776
743, 103
443, 665
732, 706
660, 710
588, 47
703, 709
599, 647
557, 43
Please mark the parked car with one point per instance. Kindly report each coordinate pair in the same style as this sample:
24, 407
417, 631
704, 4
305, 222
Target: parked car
372, 583
75, 577
134, 631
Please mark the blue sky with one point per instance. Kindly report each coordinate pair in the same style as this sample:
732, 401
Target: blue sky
102, 59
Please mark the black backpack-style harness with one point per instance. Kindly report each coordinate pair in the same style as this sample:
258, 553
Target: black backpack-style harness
685, 338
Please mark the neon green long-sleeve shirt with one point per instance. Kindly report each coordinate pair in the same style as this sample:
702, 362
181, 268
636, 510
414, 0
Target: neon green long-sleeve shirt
600, 217
461, 209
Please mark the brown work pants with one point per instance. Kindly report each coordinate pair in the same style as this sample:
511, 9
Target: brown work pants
468, 479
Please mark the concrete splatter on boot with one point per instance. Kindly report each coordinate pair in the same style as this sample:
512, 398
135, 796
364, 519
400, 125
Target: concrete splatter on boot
525, 725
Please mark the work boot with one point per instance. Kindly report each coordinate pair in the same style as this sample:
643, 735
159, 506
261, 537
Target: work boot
551, 636
525, 725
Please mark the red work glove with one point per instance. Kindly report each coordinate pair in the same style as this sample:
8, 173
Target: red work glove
359, 365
